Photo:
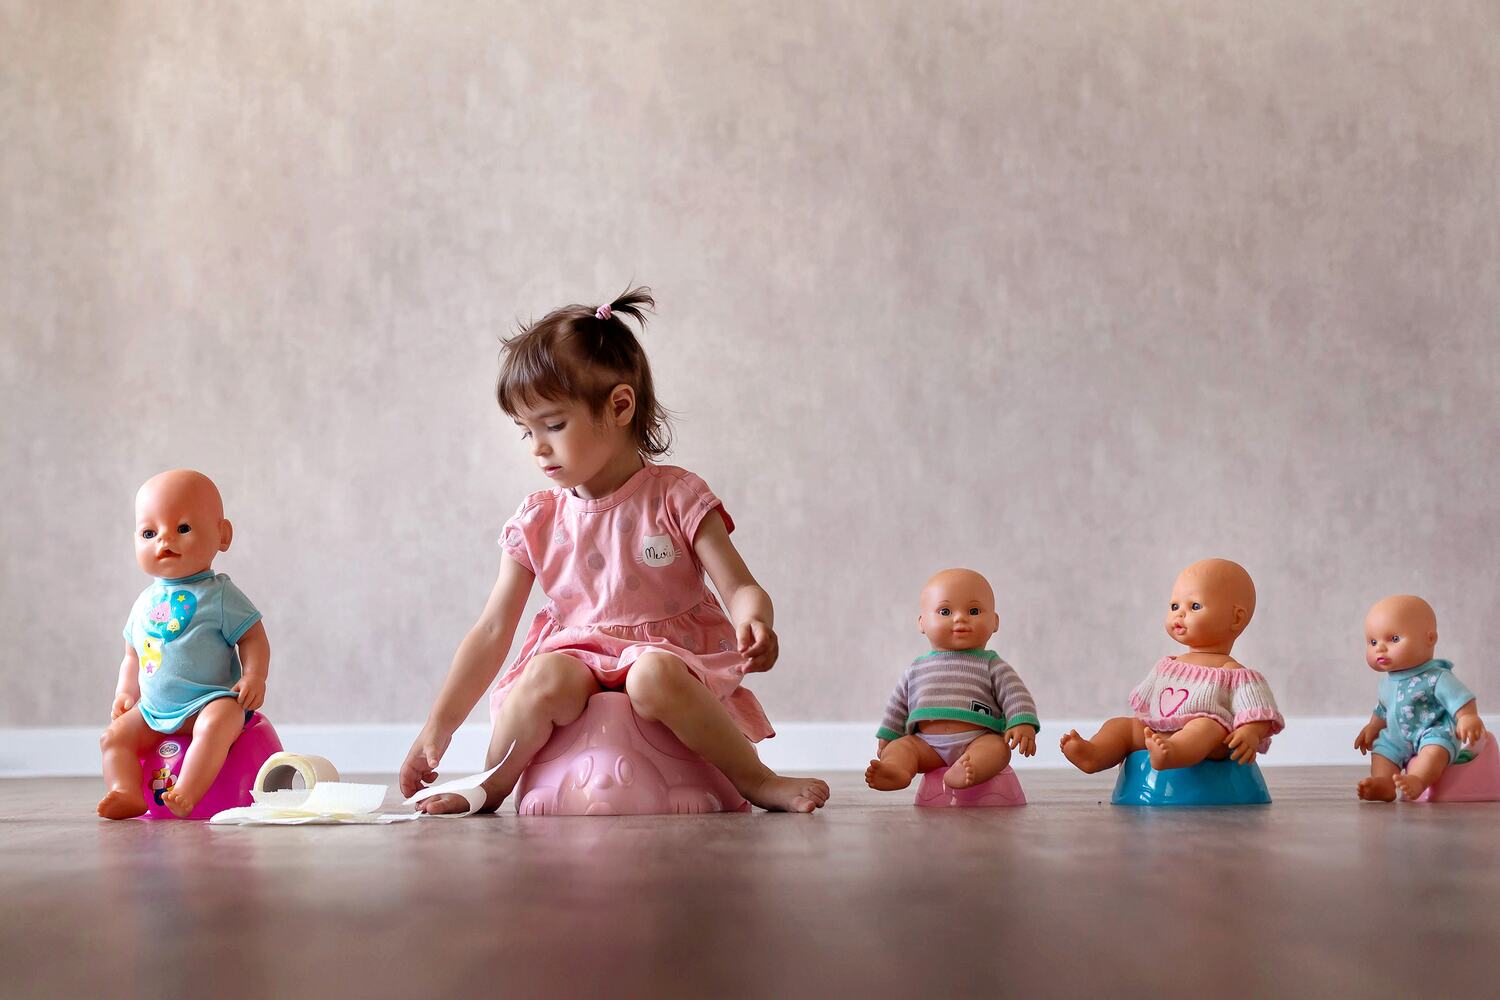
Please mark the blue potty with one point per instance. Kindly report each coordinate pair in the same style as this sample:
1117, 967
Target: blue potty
1211, 783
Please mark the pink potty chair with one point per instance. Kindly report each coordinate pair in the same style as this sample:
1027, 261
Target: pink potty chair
1004, 789
611, 762
1475, 780
160, 767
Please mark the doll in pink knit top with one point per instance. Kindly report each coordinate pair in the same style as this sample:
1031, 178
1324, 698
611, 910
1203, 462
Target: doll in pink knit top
1200, 706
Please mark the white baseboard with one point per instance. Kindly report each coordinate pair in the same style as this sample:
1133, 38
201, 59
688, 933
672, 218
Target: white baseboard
68, 751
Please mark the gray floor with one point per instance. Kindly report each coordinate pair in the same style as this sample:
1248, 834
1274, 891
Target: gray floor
1315, 895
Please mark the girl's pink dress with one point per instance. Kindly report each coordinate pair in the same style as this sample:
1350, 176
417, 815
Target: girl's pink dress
622, 579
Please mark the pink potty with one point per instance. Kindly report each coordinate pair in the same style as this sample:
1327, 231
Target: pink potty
160, 767
1476, 780
1004, 789
611, 762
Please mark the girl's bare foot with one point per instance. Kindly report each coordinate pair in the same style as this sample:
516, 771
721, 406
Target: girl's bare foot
1083, 754
885, 777
961, 774
779, 794
1374, 789
1410, 785
120, 803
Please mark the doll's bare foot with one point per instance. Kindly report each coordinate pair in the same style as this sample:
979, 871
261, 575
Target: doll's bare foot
780, 794
120, 803
1160, 749
961, 774
1374, 789
1410, 785
178, 803
1082, 753
886, 777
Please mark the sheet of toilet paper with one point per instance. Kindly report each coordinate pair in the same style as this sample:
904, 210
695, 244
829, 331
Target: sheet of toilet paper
330, 802
470, 788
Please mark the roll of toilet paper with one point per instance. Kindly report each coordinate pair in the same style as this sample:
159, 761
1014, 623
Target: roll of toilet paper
281, 769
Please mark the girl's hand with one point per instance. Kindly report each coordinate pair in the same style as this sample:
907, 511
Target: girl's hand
1023, 739
251, 692
123, 703
758, 644
420, 766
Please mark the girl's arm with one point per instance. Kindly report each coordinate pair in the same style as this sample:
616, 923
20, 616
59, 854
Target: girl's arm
475, 665
128, 690
749, 605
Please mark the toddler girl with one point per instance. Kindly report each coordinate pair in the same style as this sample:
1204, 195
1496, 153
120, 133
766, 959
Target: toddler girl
619, 545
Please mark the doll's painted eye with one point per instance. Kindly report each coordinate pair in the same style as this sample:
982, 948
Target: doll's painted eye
1176, 606
974, 612
944, 612
1197, 606
1395, 638
1374, 641
148, 533
184, 528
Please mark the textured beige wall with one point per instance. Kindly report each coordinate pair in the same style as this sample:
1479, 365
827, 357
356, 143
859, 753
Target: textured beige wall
1073, 293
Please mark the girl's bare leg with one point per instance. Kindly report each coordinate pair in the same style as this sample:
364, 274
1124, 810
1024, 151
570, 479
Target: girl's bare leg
901, 761
1198, 740
661, 688
122, 745
1111, 744
980, 761
214, 730
552, 691
1379, 786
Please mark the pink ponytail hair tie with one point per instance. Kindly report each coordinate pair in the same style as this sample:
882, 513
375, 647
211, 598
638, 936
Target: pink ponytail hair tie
603, 312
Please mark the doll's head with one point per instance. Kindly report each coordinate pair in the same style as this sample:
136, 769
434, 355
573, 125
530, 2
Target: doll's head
579, 386
1400, 632
179, 524
1212, 602
958, 610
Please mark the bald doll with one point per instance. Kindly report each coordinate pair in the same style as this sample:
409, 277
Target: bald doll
1424, 712
958, 706
1203, 705
196, 653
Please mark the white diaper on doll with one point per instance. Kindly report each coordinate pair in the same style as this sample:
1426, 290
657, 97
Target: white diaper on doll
1175, 692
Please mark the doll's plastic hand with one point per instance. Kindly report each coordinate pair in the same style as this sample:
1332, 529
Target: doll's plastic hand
251, 692
1470, 729
758, 644
123, 703
420, 767
1365, 741
1242, 744
1023, 739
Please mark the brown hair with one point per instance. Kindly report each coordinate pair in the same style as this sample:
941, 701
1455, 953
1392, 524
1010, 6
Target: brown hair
583, 352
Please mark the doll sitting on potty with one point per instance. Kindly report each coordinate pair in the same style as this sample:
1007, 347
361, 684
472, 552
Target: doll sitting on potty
196, 653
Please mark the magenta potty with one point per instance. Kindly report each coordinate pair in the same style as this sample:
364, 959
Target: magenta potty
160, 767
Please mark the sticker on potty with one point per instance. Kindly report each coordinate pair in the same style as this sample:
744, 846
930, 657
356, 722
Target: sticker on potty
168, 750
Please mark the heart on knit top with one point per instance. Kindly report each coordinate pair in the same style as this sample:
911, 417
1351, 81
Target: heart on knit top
1167, 694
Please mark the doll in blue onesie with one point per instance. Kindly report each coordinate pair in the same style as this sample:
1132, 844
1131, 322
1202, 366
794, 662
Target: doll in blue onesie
1426, 717
196, 653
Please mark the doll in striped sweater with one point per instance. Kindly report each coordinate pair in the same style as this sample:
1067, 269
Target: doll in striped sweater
959, 706
1203, 705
